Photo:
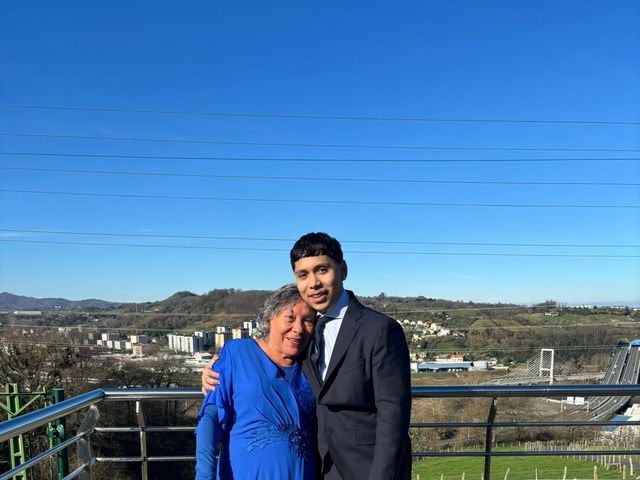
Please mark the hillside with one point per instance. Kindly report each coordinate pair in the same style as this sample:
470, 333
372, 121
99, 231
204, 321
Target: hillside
8, 301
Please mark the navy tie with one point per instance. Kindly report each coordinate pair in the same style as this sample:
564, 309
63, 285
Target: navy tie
318, 340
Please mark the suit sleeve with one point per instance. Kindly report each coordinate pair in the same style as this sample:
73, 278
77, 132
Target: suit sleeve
213, 419
392, 390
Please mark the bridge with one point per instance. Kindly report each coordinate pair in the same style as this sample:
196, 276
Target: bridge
549, 367
545, 367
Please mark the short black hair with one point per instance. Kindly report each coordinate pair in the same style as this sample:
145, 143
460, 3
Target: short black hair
315, 244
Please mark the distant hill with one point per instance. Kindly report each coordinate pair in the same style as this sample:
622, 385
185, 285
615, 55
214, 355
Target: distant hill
8, 301
229, 301
219, 301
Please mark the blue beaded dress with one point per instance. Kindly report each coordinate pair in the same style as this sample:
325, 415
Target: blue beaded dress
259, 423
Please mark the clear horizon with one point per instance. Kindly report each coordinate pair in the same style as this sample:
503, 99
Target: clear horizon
621, 303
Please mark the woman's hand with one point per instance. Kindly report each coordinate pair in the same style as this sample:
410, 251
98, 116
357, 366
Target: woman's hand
209, 377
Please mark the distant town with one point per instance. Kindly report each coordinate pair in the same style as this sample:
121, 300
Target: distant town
443, 336
197, 347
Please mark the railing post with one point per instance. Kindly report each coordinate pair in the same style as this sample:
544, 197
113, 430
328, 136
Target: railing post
16, 444
83, 447
143, 440
488, 441
58, 433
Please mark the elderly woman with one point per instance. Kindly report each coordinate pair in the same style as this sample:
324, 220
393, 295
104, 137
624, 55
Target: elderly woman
260, 421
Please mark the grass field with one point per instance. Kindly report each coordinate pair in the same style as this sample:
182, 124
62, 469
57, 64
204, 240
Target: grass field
520, 468
569, 318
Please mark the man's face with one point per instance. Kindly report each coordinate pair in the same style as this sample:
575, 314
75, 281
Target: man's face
319, 281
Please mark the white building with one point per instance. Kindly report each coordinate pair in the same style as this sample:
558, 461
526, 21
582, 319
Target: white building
223, 335
239, 333
206, 337
453, 358
250, 327
185, 343
138, 339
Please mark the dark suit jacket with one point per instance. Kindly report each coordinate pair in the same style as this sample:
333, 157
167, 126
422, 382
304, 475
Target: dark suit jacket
363, 406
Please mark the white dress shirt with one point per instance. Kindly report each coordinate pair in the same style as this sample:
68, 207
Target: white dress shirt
334, 320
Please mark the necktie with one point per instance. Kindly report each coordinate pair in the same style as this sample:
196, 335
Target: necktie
318, 339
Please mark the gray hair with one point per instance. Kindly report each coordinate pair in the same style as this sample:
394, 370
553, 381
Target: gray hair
285, 297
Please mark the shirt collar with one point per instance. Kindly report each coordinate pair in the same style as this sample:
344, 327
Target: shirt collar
339, 308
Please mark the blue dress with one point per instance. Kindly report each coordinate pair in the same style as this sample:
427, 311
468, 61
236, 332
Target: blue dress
261, 420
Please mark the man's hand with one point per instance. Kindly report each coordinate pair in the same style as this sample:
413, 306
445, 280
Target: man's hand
209, 377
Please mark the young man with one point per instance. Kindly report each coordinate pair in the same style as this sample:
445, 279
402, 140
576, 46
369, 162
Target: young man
358, 368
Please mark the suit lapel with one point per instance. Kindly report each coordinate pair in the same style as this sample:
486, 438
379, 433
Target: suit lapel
349, 327
311, 372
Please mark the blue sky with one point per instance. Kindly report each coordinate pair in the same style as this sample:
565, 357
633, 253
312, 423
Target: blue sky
462, 60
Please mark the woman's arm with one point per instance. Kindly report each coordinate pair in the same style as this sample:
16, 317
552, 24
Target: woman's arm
213, 420
208, 444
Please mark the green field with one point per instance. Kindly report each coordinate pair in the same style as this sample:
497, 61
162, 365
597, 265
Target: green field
520, 468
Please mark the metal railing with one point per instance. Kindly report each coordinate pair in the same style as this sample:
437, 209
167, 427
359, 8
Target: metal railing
89, 401
528, 391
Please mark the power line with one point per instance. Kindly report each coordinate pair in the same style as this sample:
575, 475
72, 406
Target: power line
139, 245
205, 247
313, 145
290, 240
61, 345
394, 118
540, 308
450, 309
315, 179
320, 160
512, 349
106, 329
551, 325
190, 329
316, 202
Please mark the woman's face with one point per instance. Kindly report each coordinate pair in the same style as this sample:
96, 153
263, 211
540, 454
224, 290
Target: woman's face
290, 330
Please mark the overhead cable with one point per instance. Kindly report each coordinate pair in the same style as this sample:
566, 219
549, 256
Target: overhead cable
104, 313
106, 328
344, 241
375, 118
252, 249
323, 160
312, 145
37, 343
316, 202
318, 179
